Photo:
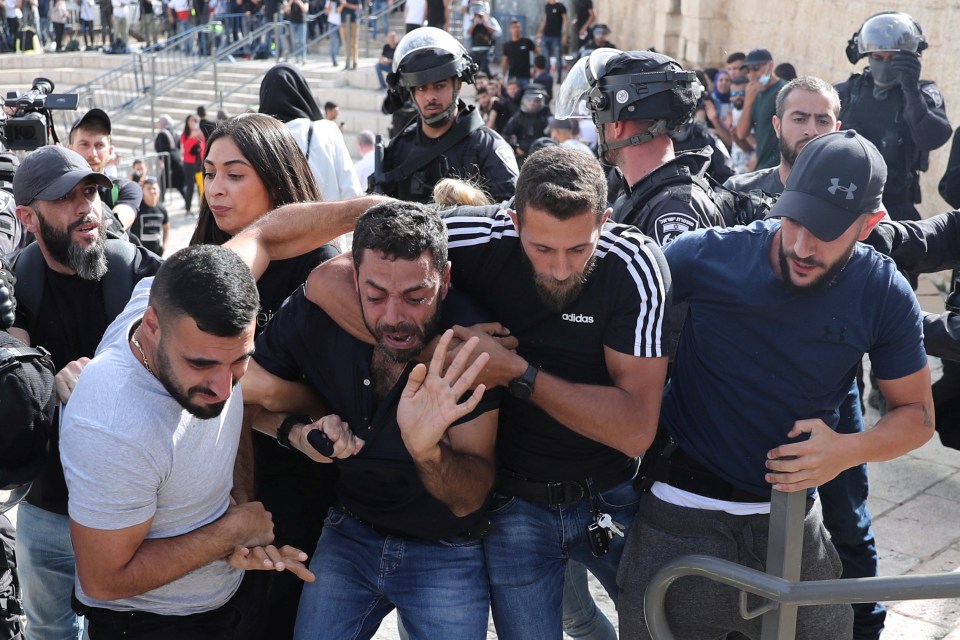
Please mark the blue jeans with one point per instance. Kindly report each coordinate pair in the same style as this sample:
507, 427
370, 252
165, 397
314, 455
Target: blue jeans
581, 616
846, 517
47, 569
299, 32
438, 587
379, 25
552, 47
335, 43
381, 69
527, 552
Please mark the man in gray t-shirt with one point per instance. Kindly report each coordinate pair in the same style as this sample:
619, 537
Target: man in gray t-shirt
148, 442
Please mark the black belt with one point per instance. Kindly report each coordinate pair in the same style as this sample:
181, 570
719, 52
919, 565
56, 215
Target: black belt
563, 492
477, 532
683, 472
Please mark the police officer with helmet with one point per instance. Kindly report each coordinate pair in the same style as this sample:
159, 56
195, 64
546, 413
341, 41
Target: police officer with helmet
892, 107
448, 138
637, 99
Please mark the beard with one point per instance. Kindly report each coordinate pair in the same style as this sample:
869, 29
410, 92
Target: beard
88, 261
788, 154
825, 280
183, 397
557, 294
421, 335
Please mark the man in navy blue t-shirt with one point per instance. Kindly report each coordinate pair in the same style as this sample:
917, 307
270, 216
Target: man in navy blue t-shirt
780, 315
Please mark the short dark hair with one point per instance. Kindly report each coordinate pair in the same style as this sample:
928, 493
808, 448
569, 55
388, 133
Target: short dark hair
562, 181
329, 104
540, 61
785, 71
736, 56
211, 285
811, 84
400, 230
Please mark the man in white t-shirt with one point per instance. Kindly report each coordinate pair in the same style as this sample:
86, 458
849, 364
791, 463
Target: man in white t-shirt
414, 13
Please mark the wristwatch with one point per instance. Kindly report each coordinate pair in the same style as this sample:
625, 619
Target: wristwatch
522, 387
283, 431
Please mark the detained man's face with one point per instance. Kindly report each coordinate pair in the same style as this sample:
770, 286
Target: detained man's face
400, 301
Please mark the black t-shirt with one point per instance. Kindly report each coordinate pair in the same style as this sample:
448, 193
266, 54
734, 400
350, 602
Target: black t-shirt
387, 52
582, 9
380, 484
553, 27
504, 108
282, 278
621, 307
148, 226
518, 57
436, 14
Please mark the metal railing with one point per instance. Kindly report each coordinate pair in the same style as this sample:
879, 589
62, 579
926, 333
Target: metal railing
135, 84
780, 586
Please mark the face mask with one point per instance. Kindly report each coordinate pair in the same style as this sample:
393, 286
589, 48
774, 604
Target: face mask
883, 73
764, 79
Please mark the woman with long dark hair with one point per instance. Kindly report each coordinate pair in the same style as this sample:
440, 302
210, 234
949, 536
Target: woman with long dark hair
253, 165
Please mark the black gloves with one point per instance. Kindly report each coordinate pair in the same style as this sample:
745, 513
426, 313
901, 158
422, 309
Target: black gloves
907, 66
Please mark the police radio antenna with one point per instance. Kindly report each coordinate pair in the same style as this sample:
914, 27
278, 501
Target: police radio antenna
29, 122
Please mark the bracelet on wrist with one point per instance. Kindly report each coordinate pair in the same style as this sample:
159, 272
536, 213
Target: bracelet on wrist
283, 431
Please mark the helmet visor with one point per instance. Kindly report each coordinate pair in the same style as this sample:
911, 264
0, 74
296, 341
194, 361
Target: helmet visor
580, 80
889, 32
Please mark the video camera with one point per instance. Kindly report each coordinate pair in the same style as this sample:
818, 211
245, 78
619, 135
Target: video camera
31, 124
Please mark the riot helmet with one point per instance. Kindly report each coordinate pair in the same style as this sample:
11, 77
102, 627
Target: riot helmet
534, 98
887, 31
427, 55
632, 85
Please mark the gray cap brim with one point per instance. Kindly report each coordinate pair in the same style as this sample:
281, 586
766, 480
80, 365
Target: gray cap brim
65, 183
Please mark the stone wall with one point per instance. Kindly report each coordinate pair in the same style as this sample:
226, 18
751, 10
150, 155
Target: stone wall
811, 34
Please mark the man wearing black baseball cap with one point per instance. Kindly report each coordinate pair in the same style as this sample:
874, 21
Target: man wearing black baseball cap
90, 136
71, 283
781, 313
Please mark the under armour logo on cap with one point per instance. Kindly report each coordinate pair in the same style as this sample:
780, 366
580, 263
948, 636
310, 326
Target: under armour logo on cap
835, 186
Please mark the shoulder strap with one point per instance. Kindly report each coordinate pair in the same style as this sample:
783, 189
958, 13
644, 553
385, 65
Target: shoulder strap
310, 139
28, 266
665, 177
118, 282
460, 130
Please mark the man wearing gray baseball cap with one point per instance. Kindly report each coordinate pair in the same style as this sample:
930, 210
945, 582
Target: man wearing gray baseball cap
781, 313
71, 283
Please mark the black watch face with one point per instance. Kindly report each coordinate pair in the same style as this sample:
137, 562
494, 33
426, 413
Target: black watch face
520, 389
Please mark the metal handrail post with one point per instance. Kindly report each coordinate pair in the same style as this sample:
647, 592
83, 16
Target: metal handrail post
216, 60
153, 89
784, 554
